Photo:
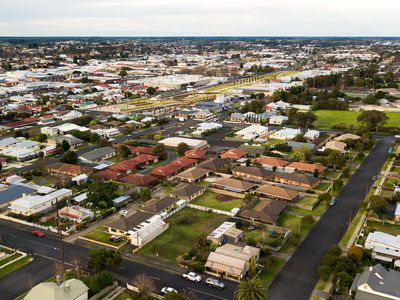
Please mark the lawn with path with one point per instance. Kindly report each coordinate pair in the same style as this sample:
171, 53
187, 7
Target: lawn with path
210, 199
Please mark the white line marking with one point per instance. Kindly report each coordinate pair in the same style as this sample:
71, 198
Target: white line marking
156, 278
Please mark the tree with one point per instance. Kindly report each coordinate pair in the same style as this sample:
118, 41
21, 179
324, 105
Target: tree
377, 203
123, 73
250, 289
42, 138
144, 284
160, 151
302, 154
182, 148
334, 159
371, 120
324, 272
151, 90
144, 194
103, 259
65, 145
355, 253
307, 221
102, 192
69, 157
343, 280
124, 151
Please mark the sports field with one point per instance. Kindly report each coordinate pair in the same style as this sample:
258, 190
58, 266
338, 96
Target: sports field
329, 118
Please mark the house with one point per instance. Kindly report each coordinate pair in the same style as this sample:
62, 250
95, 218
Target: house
14, 192
272, 163
121, 200
277, 193
235, 154
335, 146
233, 185
215, 164
147, 231
312, 135
129, 165
384, 246
205, 127
347, 136
251, 132
396, 213
376, 283
193, 175
231, 261
107, 133
305, 167
238, 117
278, 120
72, 289
173, 142
266, 211
80, 179
196, 153
75, 213
225, 233
142, 150
32, 204
108, 175
188, 192
139, 180
98, 154
122, 225
72, 141
300, 180
166, 171
253, 173
68, 169
285, 134
160, 206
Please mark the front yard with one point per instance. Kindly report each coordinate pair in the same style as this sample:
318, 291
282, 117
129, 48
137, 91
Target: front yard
221, 202
101, 236
184, 228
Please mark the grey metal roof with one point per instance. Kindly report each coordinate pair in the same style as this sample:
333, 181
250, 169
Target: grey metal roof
98, 154
14, 192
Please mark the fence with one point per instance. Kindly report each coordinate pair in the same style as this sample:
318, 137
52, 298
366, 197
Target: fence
228, 193
135, 289
213, 210
49, 228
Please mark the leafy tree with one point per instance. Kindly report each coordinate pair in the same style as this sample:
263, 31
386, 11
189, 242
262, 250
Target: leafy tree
302, 154
102, 191
182, 148
250, 289
144, 194
377, 203
65, 146
371, 120
334, 159
42, 138
123, 73
160, 151
355, 253
307, 221
343, 280
151, 90
324, 271
124, 151
103, 259
69, 157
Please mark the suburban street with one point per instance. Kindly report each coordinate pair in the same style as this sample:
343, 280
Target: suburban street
298, 277
46, 252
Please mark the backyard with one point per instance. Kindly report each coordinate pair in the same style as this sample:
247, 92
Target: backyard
221, 202
184, 228
329, 118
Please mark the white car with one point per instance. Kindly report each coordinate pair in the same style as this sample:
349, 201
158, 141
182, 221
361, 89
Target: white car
167, 290
192, 276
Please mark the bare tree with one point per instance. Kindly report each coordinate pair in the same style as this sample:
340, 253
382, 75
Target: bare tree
77, 266
144, 284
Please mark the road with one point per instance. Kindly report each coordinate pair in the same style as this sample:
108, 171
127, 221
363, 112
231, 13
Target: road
299, 276
46, 252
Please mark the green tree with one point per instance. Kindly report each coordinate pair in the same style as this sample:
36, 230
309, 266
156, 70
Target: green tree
103, 259
302, 154
144, 194
65, 146
250, 289
123, 73
355, 253
69, 157
335, 159
160, 151
124, 152
42, 138
377, 203
151, 91
371, 120
182, 148
102, 191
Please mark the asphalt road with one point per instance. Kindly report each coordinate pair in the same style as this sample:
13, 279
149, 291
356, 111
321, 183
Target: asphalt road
46, 252
299, 276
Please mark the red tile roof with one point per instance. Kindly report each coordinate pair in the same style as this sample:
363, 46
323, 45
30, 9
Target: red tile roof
196, 153
234, 153
184, 162
271, 161
142, 150
165, 171
108, 175
140, 180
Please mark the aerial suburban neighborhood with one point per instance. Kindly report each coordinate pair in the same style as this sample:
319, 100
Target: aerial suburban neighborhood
199, 168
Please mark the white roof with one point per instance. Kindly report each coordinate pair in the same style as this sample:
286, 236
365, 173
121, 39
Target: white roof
175, 141
397, 212
81, 197
382, 242
224, 227
7, 142
209, 125
253, 129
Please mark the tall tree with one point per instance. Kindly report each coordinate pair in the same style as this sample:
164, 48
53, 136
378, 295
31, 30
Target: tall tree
250, 289
103, 259
182, 148
371, 120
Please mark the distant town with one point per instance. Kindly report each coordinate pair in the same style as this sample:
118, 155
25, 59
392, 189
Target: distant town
199, 168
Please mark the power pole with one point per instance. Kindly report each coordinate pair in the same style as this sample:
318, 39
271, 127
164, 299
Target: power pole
60, 237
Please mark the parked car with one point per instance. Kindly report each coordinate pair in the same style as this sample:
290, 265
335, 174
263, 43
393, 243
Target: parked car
332, 202
192, 276
115, 238
38, 233
166, 290
373, 178
215, 283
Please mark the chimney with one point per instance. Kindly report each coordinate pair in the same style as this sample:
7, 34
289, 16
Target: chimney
67, 287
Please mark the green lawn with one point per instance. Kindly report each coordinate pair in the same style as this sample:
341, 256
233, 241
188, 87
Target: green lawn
209, 199
317, 211
272, 142
384, 227
14, 266
328, 118
266, 277
10, 258
308, 200
323, 186
352, 227
184, 228
203, 183
332, 174
100, 234
124, 296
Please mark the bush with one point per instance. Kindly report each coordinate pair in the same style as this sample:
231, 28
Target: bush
198, 268
355, 253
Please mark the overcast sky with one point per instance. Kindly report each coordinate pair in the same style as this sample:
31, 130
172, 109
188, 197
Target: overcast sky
199, 17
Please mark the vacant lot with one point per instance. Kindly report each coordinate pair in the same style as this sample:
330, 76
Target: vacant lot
184, 228
212, 200
329, 118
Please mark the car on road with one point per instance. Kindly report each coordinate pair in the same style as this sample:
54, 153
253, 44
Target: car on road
167, 290
38, 233
332, 202
373, 178
215, 283
192, 276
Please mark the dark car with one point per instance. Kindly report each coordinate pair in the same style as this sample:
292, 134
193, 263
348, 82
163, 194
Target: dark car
215, 283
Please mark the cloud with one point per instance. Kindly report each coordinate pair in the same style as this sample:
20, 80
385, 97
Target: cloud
200, 17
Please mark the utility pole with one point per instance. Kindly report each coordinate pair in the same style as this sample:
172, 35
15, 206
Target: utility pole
60, 237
